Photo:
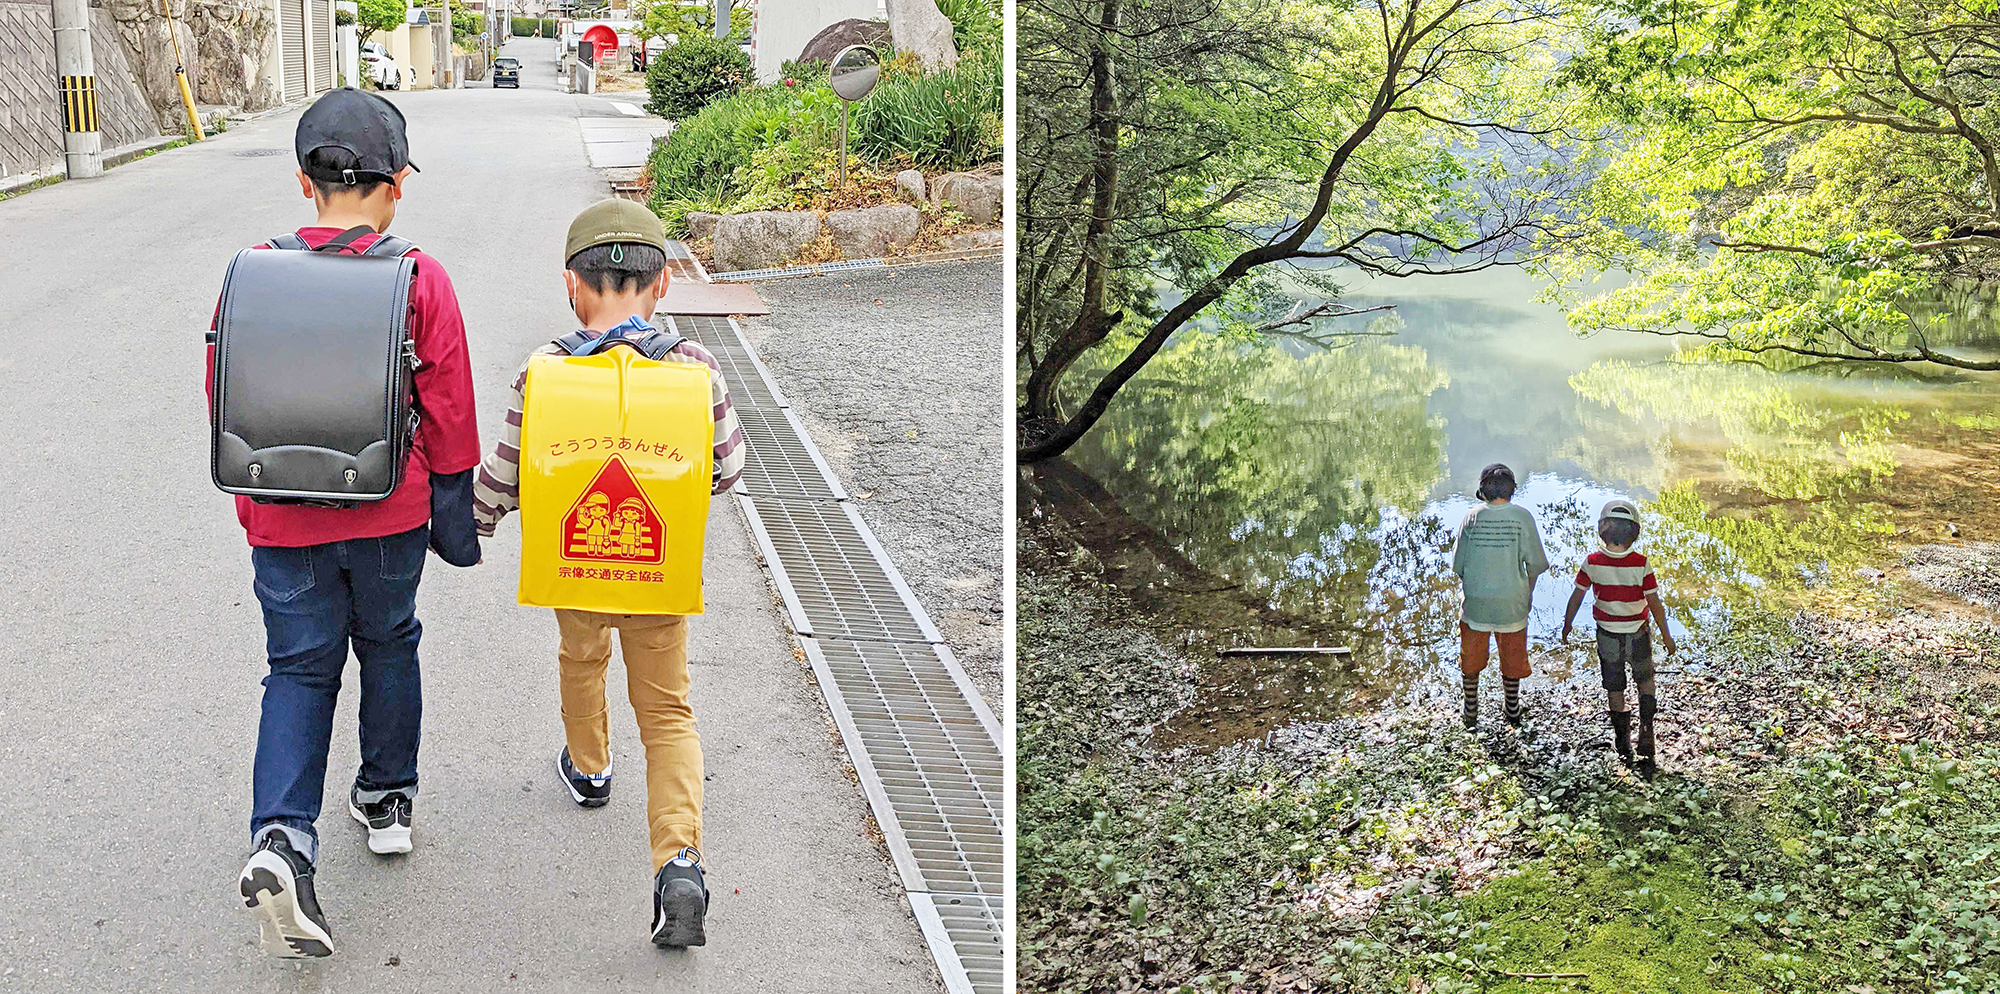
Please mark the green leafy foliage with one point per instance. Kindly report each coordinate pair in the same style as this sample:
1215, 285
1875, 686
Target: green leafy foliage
466, 24
769, 146
380, 15
679, 20
802, 73
693, 73
976, 27
1792, 176
525, 27
949, 119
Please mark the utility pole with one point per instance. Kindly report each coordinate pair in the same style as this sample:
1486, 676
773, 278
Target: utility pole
76, 81
450, 60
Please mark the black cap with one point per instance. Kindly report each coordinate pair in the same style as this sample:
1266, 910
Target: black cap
366, 127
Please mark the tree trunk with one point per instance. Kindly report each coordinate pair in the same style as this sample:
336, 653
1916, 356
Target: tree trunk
1093, 321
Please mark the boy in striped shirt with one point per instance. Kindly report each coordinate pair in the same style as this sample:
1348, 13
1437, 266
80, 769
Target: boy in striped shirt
615, 269
1626, 595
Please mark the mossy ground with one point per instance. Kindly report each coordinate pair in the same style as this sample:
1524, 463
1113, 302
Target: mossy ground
1832, 839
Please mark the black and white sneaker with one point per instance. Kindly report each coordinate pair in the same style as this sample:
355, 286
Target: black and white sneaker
277, 885
387, 821
590, 790
680, 902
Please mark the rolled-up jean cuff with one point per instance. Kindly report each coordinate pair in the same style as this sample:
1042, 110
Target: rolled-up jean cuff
303, 841
367, 795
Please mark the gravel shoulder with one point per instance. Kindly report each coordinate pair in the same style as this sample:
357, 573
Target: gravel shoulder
897, 375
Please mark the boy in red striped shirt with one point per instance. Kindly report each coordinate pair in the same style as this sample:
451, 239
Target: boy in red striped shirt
1626, 594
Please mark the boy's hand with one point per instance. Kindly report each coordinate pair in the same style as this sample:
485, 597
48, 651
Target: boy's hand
1667, 639
1564, 637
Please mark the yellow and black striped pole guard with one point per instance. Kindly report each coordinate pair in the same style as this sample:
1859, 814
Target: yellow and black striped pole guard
79, 103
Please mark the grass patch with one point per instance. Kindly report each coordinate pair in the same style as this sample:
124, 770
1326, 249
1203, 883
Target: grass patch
49, 180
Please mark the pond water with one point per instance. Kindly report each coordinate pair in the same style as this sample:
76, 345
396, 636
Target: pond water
1282, 493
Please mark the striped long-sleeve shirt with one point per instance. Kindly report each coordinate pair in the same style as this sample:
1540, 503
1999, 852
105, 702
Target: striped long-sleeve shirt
498, 487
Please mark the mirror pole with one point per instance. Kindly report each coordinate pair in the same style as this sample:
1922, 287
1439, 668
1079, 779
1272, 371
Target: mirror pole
843, 144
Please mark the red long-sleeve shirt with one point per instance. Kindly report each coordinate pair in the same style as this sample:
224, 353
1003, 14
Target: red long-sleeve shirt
447, 435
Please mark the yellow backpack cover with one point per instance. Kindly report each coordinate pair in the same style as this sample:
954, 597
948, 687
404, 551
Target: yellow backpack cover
616, 462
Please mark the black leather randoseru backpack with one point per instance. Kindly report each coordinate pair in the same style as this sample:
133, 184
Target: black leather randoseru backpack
314, 372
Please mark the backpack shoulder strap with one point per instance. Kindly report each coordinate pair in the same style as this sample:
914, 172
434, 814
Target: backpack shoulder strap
391, 247
576, 343
656, 345
290, 240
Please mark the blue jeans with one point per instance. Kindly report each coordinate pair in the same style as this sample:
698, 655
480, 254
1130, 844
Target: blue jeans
316, 600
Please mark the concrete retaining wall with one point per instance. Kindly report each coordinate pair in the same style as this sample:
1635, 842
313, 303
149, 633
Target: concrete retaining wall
31, 136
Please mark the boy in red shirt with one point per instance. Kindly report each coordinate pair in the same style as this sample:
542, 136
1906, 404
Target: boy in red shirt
328, 577
1626, 594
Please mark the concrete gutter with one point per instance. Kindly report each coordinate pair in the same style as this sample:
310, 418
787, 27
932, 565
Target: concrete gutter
112, 157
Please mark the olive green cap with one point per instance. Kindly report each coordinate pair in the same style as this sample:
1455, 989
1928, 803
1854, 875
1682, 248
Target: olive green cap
614, 220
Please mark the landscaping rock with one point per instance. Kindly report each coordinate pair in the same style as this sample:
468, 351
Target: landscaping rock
762, 239
840, 34
910, 183
701, 224
983, 238
976, 195
919, 28
870, 232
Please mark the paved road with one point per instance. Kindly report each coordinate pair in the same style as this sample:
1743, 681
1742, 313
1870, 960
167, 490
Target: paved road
130, 644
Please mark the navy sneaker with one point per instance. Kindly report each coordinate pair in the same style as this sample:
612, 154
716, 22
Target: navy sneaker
680, 902
591, 790
277, 884
387, 821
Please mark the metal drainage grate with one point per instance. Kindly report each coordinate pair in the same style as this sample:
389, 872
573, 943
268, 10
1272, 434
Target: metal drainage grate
789, 272
924, 744
779, 460
927, 758
259, 153
972, 934
750, 384
834, 577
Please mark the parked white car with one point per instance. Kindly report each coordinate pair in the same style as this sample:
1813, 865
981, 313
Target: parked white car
375, 61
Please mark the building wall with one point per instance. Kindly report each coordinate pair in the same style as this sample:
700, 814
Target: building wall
783, 29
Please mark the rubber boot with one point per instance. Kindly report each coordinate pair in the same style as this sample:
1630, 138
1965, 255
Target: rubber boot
1648, 704
1471, 715
1621, 734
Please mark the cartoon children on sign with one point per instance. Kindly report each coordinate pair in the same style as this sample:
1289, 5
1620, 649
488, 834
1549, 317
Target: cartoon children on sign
613, 520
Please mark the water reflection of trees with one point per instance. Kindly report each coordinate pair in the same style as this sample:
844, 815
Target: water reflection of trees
1272, 469
1768, 480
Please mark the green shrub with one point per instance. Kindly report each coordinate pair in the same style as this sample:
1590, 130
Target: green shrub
706, 151
976, 26
693, 73
803, 73
950, 120
524, 27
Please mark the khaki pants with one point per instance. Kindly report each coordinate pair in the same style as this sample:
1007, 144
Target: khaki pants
656, 676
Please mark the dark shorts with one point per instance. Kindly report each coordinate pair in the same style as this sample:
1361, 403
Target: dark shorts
1616, 651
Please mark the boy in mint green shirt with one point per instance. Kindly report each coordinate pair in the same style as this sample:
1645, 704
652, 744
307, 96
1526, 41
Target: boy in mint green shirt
1497, 558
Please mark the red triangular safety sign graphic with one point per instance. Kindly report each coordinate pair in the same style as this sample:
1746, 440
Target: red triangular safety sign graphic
613, 521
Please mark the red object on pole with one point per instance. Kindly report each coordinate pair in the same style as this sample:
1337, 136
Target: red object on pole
605, 41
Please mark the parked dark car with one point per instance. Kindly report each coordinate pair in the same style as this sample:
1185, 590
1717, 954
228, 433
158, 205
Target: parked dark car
507, 71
